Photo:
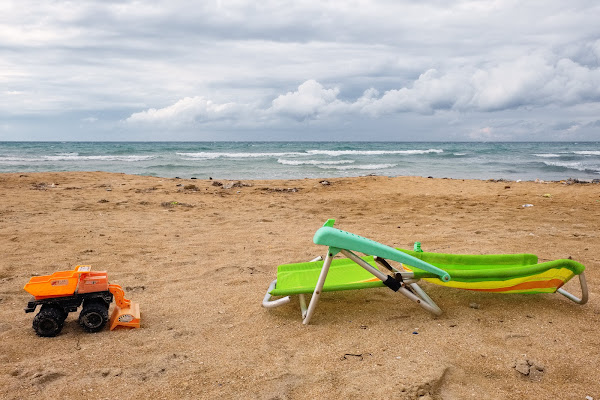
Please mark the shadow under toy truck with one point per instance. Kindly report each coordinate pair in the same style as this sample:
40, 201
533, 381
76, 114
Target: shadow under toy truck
63, 292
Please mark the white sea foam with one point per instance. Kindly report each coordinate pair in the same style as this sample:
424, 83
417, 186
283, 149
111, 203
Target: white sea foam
364, 166
313, 162
572, 165
335, 153
210, 155
75, 157
547, 155
588, 153
15, 159
72, 157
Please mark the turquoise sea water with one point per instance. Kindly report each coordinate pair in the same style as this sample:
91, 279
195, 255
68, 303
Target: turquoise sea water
295, 160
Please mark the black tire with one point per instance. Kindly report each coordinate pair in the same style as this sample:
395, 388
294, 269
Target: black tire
49, 321
61, 311
93, 316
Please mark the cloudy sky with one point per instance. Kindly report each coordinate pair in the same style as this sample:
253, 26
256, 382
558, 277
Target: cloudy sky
301, 70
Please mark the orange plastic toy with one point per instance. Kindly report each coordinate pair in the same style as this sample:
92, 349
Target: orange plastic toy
64, 291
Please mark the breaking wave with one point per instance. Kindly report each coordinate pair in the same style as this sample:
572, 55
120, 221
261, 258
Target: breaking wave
365, 166
577, 166
205, 155
547, 155
335, 153
73, 157
313, 162
76, 157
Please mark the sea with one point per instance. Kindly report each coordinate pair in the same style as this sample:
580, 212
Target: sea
527, 161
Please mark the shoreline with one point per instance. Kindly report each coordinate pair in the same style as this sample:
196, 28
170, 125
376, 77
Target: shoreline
198, 258
568, 181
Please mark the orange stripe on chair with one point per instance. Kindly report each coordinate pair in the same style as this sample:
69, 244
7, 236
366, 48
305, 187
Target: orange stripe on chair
552, 283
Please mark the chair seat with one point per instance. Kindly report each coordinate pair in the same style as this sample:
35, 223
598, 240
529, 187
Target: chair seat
343, 274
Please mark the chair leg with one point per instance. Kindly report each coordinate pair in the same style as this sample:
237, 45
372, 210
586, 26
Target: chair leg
268, 303
584, 291
303, 308
427, 303
315, 297
302, 297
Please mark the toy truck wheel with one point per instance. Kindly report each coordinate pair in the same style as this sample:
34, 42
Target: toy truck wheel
49, 321
63, 314
93, 316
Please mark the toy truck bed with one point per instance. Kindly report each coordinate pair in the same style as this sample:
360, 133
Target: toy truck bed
63, 283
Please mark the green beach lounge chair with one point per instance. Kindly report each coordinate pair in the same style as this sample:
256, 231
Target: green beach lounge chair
511, 273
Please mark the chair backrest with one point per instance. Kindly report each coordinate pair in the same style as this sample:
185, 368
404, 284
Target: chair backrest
337, 240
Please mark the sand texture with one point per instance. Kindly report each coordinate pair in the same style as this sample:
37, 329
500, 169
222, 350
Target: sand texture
198, 257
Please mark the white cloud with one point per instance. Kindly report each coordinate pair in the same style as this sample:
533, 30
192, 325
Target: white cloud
509, 84
309, 101
188, 110
533, 81
431, 91
529, 81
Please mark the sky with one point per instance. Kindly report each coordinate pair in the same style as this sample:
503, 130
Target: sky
387, 70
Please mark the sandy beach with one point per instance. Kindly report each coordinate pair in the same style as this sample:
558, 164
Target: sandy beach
198, 255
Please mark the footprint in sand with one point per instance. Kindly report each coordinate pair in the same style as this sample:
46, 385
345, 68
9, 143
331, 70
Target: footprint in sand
38, 377
5, 327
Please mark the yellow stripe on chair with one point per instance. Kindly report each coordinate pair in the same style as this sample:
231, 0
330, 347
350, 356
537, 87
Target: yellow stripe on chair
547, 282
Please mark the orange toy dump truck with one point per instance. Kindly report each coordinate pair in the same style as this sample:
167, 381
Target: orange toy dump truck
63, 292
